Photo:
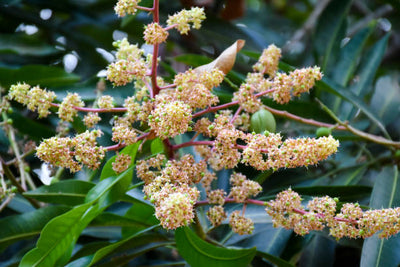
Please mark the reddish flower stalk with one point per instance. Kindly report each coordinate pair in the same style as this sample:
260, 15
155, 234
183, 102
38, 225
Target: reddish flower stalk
97, 110
122, 145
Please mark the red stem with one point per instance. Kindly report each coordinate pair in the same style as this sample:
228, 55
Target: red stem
145, 8
263, 203
98, 110
192, 143
122, 145
156, 18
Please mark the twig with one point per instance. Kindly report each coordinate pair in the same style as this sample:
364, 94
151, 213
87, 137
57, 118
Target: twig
370, 137
308, 25
291, 116
380, 12
14, 181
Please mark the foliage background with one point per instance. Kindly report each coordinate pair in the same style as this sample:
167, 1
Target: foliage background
357, 45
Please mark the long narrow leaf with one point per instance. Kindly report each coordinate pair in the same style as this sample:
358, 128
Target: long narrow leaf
28, 225
198, 252
59, 236
386, 194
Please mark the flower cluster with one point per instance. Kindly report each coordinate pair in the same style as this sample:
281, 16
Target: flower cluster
122, 132
106, 102
34, 98
268, 61
182, 19
155, 34
240, 224
74, 152
287, 211
126, 7
290, 153
130, 64
280, 86
170, 188
91, 119
121, 163
295, 83
67, 110
194, 87
164, 110
169, 119
242, 188
216, 215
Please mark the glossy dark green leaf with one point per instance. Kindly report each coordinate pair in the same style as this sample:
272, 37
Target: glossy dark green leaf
142, 213
386, 101
44, 76
329, 86
23, 44
275, 260
319, 252
369, 66
334, 191
265, 237
348, 56
111, 219
329, 27
198, 252
36, 130
365, 76
58, 237
101, 253
27, 225
67, 192
127, 252
386, 194
193, 60
157, 146
111, 189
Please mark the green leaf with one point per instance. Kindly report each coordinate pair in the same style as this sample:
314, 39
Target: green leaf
349, 54
328, 29
386, 194
23, 44
334, 191
111, 219
107, 170
193, 60
319, 252
142, 213
111, 189
370, 64
198, 252
386, 101
59, 236
68, 192
273, 259
101, 253
329, 86
157, 146
44, 76
33, 128
27, 225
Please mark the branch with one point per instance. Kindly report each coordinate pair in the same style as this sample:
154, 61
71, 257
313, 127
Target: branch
370, 137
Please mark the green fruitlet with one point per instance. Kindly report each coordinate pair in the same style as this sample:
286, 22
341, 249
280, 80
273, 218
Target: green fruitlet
263, 120
323, 131
397, 154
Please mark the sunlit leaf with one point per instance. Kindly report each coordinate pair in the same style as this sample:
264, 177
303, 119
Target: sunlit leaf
198, 252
